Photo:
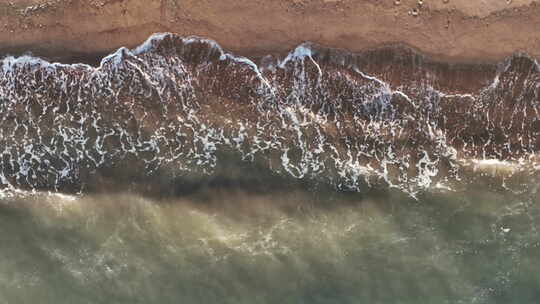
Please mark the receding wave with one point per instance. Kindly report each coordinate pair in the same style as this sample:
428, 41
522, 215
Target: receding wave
172, 106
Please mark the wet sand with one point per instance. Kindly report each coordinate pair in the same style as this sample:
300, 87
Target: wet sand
456, 30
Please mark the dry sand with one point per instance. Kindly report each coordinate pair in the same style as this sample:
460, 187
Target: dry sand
457, 30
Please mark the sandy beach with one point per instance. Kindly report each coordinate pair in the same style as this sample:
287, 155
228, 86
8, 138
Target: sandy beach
449, 30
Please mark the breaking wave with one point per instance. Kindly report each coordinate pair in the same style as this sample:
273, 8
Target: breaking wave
174, 105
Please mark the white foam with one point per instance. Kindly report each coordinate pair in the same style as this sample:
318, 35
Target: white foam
309, 157
491, 162
251, 64
149, 43
117, 57
537, 65
9, 63
494, 166
301, 52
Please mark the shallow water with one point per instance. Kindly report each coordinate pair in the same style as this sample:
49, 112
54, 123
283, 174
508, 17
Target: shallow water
389, 117
212, 178
299, 246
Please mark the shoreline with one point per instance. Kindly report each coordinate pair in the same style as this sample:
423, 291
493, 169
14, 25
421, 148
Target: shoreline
453, 32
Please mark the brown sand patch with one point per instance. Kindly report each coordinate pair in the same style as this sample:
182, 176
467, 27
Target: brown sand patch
459, 30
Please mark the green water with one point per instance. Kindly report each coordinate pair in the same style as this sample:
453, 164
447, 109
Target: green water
282, 247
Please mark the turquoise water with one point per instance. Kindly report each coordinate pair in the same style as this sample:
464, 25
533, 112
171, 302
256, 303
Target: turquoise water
294, 246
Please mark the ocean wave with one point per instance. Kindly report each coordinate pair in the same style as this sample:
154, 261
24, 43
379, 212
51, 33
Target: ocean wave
175, 105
